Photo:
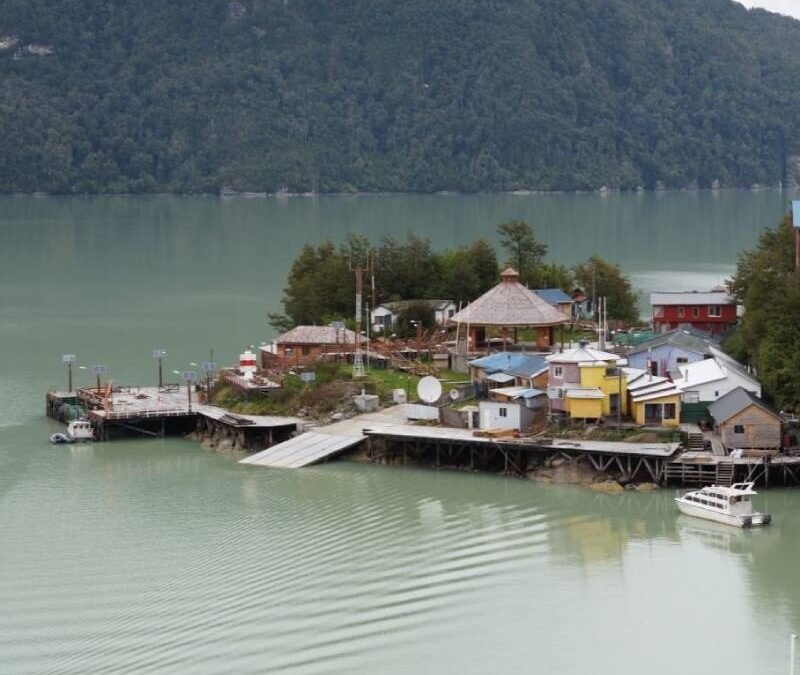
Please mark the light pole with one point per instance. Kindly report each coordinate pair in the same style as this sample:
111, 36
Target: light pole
209, 367
69, 359
99, 370
159, 354
189, 377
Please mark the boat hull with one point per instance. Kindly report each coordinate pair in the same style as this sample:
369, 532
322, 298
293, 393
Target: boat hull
700, 511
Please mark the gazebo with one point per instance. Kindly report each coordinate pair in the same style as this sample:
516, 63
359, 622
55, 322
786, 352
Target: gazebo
510, 305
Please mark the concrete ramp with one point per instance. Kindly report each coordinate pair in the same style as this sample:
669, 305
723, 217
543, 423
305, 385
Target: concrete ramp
302, 450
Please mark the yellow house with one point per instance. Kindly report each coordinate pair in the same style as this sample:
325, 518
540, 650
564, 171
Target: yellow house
654, 401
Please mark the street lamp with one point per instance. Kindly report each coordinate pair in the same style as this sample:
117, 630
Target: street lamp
189, 376
159, 354
209, 367
99, 370
69, 359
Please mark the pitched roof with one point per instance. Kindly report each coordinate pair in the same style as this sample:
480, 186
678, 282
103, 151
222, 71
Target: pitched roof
700, 372
513, 363
510, 304
318, 335
582, 355
518, 392
402, 305
554, 296
683, 338
715, 297
734, 402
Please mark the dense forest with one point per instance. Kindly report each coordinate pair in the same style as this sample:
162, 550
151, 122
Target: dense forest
380, 95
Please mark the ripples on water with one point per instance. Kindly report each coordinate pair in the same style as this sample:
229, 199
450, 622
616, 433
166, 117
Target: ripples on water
157, 556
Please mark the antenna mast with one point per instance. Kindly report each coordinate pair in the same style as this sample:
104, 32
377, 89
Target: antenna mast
358, 358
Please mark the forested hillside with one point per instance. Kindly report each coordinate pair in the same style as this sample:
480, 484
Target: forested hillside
394, 95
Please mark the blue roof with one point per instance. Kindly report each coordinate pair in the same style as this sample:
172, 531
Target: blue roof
553, 296
513, 363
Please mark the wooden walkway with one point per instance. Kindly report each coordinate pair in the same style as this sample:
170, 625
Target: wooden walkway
308, 448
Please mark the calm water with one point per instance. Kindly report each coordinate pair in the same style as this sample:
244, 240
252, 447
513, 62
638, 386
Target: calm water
157, 556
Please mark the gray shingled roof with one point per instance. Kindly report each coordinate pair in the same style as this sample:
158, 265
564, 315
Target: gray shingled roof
734, 402
510, 304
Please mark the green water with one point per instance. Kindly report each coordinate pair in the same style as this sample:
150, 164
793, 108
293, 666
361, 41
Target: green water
157, 556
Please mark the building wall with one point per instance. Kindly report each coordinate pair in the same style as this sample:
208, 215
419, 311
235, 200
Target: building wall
517, 416
570, 374
666, 356
668, 317
639, 410
595, 376
761, 430
711, 391
584, 408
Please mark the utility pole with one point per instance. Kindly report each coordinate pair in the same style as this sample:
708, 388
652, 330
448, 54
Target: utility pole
358, 359
159, 354
98, 371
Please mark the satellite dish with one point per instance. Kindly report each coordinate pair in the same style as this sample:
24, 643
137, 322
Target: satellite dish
454, 395
429, 389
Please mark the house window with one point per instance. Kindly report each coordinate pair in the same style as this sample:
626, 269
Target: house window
306, 350
288, 351
669, 411
651, 411
558, 371
738, 428
681, 312
695, 312
682, 360
503, 412
715, 310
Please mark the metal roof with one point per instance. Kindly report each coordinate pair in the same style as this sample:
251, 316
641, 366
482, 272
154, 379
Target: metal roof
500, 377
700, 372
692, 298
734, 402
585, 392
510, 304
683, 338
519, 364
518, 392
401, 305
554, 296
582, 355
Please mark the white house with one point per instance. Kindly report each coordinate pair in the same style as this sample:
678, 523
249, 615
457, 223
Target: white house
512, 408
710, 379
384, 316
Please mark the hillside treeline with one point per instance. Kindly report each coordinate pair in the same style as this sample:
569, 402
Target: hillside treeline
379, 95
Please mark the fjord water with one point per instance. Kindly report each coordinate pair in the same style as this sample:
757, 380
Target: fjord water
157, 556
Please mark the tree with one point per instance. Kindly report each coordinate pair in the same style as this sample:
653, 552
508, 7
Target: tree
768, 336
608, 282
525, 252
553, 275
467, 272
406, 270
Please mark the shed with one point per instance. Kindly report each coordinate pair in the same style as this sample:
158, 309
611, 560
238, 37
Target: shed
745, 421
505, 415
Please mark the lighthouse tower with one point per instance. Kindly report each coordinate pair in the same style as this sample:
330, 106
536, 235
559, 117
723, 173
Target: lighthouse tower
247, 364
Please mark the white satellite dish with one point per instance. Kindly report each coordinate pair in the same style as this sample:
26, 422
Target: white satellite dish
454, 395
429, 389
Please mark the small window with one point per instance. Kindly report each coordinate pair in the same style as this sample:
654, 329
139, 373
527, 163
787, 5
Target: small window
695, 312
681, 312
714, 310
503, 412
306, 350
558, 371
669, 411
682, 360
738, 428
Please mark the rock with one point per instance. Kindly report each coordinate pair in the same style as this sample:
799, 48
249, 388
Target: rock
610, 487
646, 487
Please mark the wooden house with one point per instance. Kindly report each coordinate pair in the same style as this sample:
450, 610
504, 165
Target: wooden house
744, 421
555, 297
304, 344
713, 311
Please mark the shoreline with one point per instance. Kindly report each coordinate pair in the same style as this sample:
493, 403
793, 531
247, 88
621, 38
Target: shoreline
222, 195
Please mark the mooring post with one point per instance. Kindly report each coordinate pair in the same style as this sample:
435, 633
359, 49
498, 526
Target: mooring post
792, 656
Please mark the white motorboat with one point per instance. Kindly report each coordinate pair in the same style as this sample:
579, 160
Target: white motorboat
727, 505
77, 431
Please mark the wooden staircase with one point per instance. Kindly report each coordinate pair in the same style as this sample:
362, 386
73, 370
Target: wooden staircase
696, 442
725, 474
